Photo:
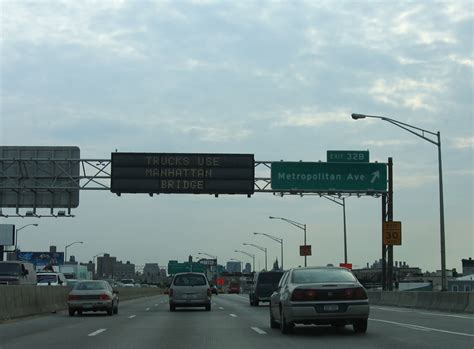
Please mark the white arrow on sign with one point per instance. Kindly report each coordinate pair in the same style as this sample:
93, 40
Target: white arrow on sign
375, 175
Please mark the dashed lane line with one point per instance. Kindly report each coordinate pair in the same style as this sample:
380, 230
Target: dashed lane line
258, 330
221, 308
147, 309
233, 315
95, 333
131, 316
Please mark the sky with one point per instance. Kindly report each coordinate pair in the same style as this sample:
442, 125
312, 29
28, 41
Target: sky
277, 79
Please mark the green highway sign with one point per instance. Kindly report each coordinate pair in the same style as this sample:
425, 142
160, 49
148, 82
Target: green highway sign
324, 176
347, 156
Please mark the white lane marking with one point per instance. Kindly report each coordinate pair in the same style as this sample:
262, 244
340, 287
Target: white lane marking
147, 309
448, 315
233, 315
156, 305
96, 332
131, 316
395, 310
422, 328
221, 308
259, 331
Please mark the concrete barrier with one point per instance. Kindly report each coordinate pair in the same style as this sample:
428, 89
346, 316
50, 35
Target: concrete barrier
390, 298
470, 303
374, 296
425, 300
408, 299
20, 301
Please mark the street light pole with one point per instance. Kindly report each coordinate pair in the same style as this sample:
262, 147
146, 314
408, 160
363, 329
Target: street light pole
250, 255
65, 249
279, 240
16, 236
419, 132
264, 249
343, 204
298, 225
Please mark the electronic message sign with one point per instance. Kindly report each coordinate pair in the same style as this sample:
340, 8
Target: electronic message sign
181, 173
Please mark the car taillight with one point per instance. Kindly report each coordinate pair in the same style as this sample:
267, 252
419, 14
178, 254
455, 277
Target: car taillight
301, 295
355, 293
72, 297
104, 297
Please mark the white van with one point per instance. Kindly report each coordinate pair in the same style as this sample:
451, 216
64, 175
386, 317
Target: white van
51, 279
17, 273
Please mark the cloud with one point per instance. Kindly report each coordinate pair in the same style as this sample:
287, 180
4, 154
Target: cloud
310, 117
463, 142
217, 134
410, 93
390, 142
467, 61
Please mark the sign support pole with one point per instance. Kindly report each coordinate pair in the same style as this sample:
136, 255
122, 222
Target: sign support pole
390, 218
384, 264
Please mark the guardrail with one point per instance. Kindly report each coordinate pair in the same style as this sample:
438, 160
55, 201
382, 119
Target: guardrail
443, 301
20, 301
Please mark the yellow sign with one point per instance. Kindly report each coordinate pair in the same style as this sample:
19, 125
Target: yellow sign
392, 233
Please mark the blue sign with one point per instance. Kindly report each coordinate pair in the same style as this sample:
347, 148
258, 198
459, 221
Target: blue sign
41, 259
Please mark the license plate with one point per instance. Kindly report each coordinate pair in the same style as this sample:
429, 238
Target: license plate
331, 307
87, 306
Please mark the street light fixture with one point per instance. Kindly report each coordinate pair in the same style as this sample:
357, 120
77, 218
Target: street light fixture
65, 249
419, 132
264, 249
279, 240
298, 225
16, 235
250, 255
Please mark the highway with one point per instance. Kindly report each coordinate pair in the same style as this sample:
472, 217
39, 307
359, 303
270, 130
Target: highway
232, 323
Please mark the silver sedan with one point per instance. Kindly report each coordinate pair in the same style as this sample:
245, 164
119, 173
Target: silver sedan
93, 295
319, 296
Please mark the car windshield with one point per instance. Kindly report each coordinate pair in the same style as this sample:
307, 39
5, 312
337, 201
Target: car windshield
305, 276
47, 278
127, 281
190, 280
9, 269
269, 278
90, 286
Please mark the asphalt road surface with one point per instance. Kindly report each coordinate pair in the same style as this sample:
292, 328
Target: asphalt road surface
232, 323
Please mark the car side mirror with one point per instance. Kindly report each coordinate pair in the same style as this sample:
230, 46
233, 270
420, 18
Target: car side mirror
115, 292
60, 282
26, 272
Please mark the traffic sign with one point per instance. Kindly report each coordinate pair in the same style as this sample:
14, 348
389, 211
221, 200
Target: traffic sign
346, 265
194, 173
392, 233
347, 156
324, 176
305, 250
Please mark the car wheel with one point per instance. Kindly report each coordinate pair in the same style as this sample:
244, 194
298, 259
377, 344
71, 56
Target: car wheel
285, 327
110, 311
208, 307
273, 323
172, 307
360, 326
71, 312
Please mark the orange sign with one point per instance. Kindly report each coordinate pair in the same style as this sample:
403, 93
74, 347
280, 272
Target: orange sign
305, 250
346, 265
392, 233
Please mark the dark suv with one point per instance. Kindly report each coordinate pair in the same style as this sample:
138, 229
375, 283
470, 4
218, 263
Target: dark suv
263, 285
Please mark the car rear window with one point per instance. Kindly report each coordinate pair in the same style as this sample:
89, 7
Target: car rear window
189, 280
83, 286
44, 279
270, 278
305, 276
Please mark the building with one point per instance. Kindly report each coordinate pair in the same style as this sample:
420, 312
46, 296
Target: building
123, 270
105, 266
467, 266
152, 273
233, 267
462, 284
248, 268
